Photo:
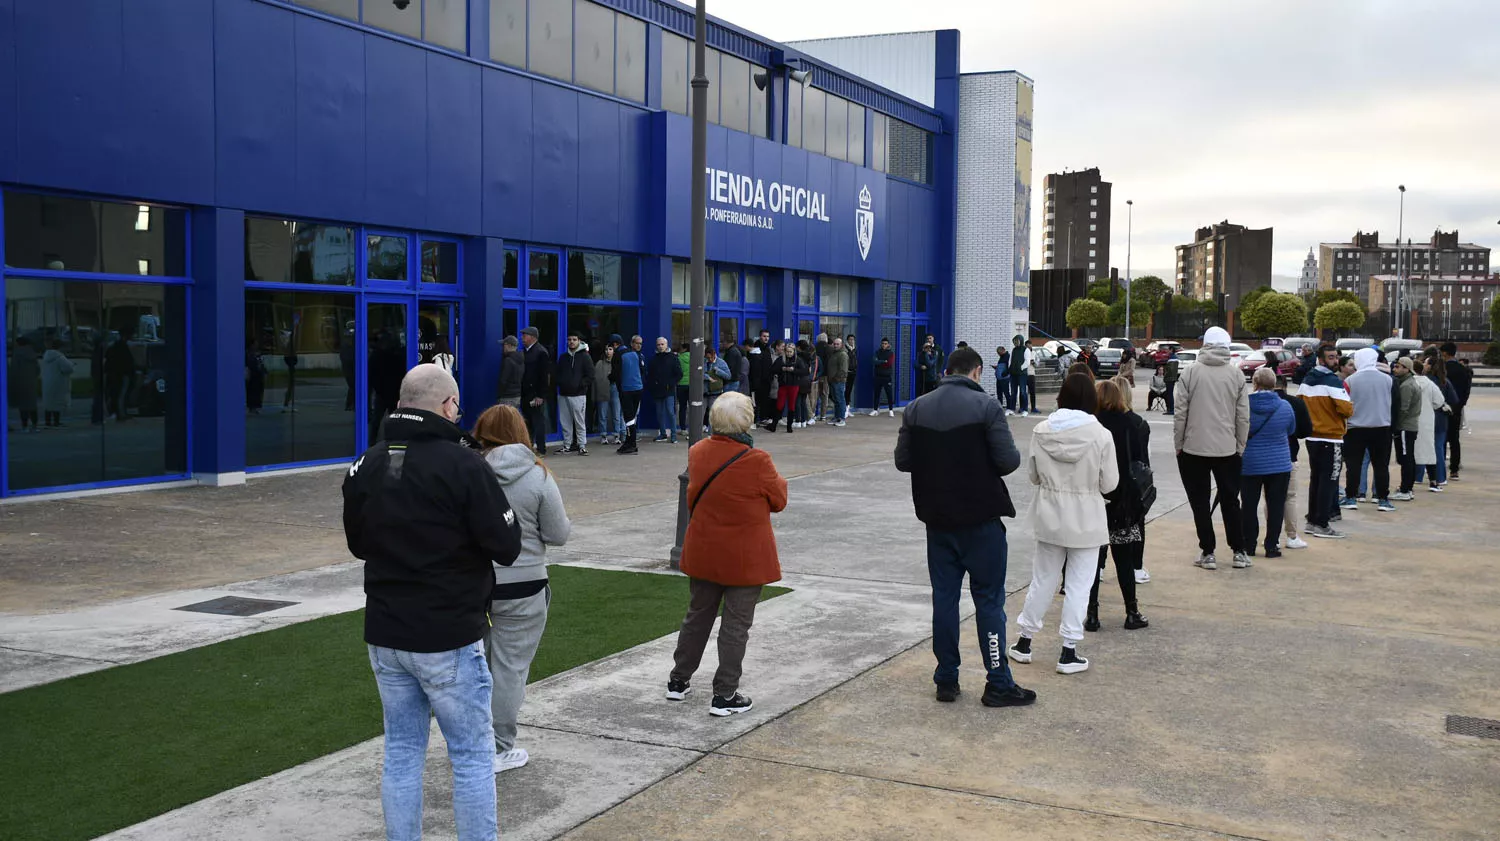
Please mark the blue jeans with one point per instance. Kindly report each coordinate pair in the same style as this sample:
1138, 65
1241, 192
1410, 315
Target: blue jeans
979, 551
1003, 393
455, 686
666, 408
838, 401
1436, 473
611, 420
1023, 393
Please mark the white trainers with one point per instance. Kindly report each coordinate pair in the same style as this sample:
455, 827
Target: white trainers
892, 413
1142, 576
874, 412
1295, 543
513, 758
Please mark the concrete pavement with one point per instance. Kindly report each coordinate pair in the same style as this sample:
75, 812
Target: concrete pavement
1301, 698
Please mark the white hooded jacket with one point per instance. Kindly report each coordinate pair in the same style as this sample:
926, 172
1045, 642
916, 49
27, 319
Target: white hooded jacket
1072, 464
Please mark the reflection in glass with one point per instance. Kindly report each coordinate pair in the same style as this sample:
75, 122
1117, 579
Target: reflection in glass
385, 328
300, 395
594, 46
439, 261
387, 257
755, 288
286, 251
680, 272
508, 32
98, 372
512, 268
674, 73
630, 58
58, 233
734, 101
729, 287
813, 120
604, 277
541, 271
437, 340
807, 292
550, 34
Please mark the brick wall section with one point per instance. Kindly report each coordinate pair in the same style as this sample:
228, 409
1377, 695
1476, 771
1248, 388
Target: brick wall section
983, 288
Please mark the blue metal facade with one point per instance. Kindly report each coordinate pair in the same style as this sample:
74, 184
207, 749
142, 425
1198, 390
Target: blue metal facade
229, 108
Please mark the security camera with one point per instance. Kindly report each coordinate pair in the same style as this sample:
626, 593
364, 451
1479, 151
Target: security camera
401, 4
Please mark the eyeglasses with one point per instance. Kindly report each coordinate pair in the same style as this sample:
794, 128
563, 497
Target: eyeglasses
456, 411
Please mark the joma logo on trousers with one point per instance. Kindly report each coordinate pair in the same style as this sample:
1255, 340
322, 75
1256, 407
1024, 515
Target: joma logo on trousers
994, 650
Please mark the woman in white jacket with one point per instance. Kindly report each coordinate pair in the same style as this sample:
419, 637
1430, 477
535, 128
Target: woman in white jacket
1424, 452
519, 603
1073, 466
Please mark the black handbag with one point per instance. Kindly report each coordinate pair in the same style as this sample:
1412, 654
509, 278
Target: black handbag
1142, 479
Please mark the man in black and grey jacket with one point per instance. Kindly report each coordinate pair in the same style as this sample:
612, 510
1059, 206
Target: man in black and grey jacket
427, 516
512, 369
956, 445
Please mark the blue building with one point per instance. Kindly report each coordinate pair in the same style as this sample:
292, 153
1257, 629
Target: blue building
230, 225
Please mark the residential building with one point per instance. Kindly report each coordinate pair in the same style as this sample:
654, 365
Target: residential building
1223, 262
1308, 282
245, 237
1075, 229
1447, 306
1350, 265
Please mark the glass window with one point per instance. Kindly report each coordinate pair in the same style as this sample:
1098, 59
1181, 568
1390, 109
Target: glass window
630, 58
814, 104
386, 257
674, 73
446, 23
439, 261
594, 46
300, 362
402, 20
711, 71
604, 277
343, 8
807, 292
728, 334
793, 114
120, 357
512, 269
680, 283
878, 143
828, 297
436, 322
78, 235
755, 288
541, 273
734, 101
889, 295
550, 38
595, 322
729, 287
921, 304
386, 361
753, 326
758, 124
908, 152
508, 32
805, 330
286, 251
856, 134
838, 128
681, 328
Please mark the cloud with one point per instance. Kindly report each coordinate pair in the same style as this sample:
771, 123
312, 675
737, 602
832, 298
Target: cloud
1296, 114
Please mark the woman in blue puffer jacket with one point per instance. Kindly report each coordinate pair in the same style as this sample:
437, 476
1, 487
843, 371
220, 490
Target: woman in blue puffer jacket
1267, 462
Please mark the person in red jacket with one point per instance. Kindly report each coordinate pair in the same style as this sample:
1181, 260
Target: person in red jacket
729, 553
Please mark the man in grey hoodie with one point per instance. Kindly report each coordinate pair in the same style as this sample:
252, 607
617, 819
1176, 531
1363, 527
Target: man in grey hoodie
1209, 434
1369, 430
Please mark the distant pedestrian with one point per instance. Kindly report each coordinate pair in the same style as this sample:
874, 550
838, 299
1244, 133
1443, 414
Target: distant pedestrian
820, 399
761, 360
788, 372
732, 357
512, 371
715, 381
663, 372
1002, 379
1405, 424
607, 398
426, 515
1462, 380
1209, 436
1290, 517
928, 372
1442, 421
729, 552
1171, 371
575, 376
1329, 407
838, 380
685, 362
1022, 377
1267, 464
885, 371
632, 379
1432, 404
536, 385
956, 445
853, 354
1368, 431
521, 597
807, 411
1086, 356
1127, 363
1073, 465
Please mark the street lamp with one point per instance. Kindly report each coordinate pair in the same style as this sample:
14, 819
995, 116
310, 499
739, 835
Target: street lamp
699, 246
1400, 287
1129, 226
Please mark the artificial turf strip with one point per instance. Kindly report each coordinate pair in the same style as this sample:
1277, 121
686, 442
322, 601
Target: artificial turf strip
101, 751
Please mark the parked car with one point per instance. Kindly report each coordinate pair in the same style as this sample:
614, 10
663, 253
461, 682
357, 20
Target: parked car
1353, 343
1109, 360
1392, 348
1249, 364
1055, 346
1186, 358
1289, 367
1271, 343
1239, 352
1157, 353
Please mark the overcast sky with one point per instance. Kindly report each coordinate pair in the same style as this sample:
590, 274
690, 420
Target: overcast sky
1302, 115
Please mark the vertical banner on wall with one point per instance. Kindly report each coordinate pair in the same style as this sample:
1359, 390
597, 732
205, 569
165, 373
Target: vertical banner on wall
1022, 274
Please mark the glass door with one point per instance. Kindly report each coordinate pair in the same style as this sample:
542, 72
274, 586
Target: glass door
437, 335
387, 359
548, 321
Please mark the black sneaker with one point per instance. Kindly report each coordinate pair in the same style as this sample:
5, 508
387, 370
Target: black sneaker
948, 692
563, 450
729, 706
1070, 663
677, 690
1014, 696
1020, 650
583, 451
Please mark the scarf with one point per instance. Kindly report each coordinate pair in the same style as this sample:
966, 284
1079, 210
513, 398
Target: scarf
743, 437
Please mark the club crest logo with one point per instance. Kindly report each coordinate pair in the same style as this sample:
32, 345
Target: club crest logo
864, 222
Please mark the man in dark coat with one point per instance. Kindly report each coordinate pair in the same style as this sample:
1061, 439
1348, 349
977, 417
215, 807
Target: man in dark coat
512, 369
536, 386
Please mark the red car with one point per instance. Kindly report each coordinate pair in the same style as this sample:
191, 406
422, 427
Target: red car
1254, 361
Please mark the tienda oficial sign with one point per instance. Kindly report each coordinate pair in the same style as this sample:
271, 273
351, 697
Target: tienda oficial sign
754, 203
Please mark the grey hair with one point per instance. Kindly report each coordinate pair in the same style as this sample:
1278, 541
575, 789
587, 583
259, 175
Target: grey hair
732, 414
427, 387
1264, 379
659, 340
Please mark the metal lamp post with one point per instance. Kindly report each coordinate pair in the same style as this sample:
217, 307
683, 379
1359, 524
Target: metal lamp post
1129, 230
1400, 285
697, 290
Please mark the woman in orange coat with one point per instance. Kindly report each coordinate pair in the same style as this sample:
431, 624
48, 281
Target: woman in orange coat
730, 549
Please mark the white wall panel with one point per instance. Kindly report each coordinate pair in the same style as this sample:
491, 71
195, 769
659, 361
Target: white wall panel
905, 63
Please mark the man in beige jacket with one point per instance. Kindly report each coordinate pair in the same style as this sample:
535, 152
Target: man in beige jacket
1209, 434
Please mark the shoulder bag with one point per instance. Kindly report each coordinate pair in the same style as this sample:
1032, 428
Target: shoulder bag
736, 457
1142, 479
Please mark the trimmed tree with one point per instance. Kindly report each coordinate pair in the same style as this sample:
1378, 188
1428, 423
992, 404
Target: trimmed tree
1247, 302
1328, 296
1495, 315
1140, 312
1339, 316
1087, 312
1101, 290
1148, 291
1277, 314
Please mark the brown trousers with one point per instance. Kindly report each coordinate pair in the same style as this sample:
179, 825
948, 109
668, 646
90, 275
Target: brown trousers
734, 632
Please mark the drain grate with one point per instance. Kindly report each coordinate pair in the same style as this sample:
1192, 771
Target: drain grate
1484, 728
235, 606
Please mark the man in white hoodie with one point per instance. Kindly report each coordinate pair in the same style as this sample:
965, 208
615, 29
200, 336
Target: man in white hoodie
1209, 434
1369, 430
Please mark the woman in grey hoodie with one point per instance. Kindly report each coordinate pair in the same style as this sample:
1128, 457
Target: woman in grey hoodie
518, 606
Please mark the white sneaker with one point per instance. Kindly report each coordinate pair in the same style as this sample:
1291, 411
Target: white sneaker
513, 758
1295, 543
891, 412
874, 413
1142, 576
1008, 413
840, 423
